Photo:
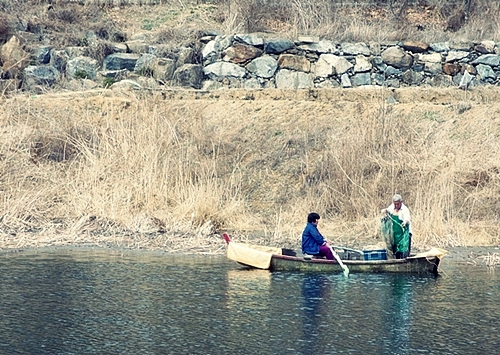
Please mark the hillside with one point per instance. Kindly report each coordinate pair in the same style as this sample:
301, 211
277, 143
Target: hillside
170, 168
159, 170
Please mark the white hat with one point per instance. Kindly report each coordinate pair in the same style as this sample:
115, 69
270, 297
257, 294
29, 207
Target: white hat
397, 198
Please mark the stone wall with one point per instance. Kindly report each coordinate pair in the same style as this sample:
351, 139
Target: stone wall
252, 61
249, 61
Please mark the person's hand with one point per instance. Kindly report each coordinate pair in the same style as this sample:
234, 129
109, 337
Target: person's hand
384, 210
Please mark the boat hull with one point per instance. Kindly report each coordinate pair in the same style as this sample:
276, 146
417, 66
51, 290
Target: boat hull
412, 265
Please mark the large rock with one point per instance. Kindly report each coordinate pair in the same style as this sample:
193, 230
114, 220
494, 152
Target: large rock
42, 54
241, 53
82, 67
189, 75
277, 46
329, 64
345, 81
263, 67
59, 59
13, 57
186, 56
355, 49
211, 52
163, 69
440, 47
433, 68
137, 46
287, 79
361, 79
456, 56
451, 68
211, 49
488, 59
362, 64
430, 58
144, 65
485, 72
323, 46
118, 61
294, 62
397, 57
222, 69
415, 46
485, 47
251, 39
411, 77
40, 75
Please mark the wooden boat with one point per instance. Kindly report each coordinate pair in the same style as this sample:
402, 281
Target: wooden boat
279, 259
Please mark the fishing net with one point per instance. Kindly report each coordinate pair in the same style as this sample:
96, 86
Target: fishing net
386, 229
396, 236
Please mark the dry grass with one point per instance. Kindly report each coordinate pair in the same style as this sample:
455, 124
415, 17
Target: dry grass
68, 22
168, 170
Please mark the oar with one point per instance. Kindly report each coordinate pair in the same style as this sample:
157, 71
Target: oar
337, 257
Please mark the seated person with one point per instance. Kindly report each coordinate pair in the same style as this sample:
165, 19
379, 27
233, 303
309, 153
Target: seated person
313, 243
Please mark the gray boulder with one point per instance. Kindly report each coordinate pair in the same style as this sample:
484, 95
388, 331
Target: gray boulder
397, 57
355, 49
59, 60
485, 72
222, 69
287, 79
455, 56
361, 79
488, 59
42, 54
189, 75
40, 75
322, 46
82, 67
119, 61
163, 69
263, 67
277, 46
412, 77
144, 65
251, 39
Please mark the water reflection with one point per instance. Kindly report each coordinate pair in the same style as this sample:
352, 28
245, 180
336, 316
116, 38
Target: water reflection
316, 291
398, 319
81, 303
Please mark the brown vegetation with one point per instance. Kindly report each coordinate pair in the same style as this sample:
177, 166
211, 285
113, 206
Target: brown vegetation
68, 22
159, 170
166, 170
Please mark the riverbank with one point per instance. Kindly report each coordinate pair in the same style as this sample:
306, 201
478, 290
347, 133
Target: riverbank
213, 244
169, 170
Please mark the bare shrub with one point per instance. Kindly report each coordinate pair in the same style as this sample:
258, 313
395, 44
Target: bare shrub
99, 50
109, 31
5, 29
64, 15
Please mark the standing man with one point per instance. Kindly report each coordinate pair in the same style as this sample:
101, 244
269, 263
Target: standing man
313, 243
401, 227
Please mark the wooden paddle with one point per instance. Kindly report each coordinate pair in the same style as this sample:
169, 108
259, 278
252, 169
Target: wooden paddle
337, 257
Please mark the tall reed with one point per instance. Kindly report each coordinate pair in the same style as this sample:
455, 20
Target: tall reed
144, 163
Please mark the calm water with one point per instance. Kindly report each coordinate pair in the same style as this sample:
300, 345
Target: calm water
88, 302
